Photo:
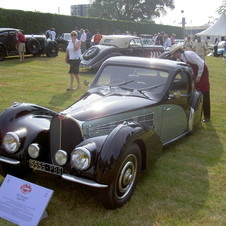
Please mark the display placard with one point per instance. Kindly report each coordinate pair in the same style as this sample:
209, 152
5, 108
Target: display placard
22, 202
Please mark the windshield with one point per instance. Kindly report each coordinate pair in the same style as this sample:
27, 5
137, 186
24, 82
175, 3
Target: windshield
135, 78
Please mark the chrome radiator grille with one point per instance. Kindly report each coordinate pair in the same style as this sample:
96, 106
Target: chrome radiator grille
65, 134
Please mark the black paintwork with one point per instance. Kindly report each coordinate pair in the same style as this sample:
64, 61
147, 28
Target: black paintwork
83, 124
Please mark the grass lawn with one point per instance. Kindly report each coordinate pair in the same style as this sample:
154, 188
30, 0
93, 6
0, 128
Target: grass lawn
187, 185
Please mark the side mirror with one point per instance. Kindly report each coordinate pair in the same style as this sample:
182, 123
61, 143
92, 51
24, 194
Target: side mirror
86, 83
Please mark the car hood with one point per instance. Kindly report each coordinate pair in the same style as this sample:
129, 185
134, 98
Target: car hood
95, 105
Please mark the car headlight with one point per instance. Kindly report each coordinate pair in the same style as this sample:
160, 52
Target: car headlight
11, 142
81, 158
34, 150
61, 157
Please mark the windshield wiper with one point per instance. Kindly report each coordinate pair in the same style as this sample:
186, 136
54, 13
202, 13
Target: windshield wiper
122, 83
151, 87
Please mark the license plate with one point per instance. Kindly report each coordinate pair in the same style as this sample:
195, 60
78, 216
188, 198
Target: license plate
45, 167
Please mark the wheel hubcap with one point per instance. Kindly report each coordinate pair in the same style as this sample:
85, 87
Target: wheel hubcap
127, 176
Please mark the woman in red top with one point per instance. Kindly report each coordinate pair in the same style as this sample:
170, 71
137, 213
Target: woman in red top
21, 45
97, 37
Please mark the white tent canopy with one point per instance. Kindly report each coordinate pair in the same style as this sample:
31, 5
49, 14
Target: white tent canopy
218, 29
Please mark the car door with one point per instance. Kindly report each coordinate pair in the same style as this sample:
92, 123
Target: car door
175, 110
12, 41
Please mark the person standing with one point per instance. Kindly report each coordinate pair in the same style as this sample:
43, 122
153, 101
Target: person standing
172, 38
97, 37
201, 74
188, 44
167, 42
224, 54
199, 46
88, 39
52, 34
73, 54
83, 40
215, 47
21, 44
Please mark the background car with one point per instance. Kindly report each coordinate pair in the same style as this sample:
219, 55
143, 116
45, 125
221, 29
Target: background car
133, 108
62, 40
117, 45
35, 44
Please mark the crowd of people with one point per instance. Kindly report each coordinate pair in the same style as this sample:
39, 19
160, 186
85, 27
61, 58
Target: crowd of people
190, 51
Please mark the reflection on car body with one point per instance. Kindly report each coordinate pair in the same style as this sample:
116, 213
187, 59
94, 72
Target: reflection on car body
133, 108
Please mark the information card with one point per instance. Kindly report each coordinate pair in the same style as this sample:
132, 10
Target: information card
22, 202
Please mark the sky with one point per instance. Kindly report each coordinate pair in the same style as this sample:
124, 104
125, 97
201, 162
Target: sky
196, 12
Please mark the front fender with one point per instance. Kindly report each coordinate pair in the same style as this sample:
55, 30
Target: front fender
115, 145
31, 124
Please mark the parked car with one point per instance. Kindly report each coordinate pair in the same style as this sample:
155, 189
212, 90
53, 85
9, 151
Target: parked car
117, 45
35, 44
63, 40
133, 108
220, 49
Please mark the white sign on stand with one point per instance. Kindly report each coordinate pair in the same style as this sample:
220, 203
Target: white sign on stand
22, 202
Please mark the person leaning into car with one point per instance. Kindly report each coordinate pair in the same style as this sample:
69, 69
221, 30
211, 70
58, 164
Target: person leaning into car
21, 44
201, 74
73, 54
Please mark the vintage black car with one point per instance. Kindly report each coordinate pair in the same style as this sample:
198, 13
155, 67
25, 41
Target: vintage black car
35, 44
133, 108
117, 45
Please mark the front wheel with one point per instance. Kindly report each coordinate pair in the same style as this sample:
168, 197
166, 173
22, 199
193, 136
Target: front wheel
122, 187
51, 50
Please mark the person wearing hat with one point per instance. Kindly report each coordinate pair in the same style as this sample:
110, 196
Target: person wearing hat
201, 74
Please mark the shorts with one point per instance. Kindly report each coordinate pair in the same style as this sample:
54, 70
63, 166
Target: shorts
21, 47
74, 66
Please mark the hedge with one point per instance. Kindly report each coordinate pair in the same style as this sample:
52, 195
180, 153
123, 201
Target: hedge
38, 23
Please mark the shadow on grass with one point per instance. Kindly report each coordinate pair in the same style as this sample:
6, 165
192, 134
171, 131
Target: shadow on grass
61, 98
178, 187
14, 60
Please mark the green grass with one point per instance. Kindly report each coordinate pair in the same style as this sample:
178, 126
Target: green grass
187, 185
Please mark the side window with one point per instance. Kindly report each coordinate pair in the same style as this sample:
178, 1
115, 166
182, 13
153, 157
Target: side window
4, 34
180, 84
135, 43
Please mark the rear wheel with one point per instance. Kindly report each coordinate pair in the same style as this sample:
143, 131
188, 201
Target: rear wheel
2, 53
122, 187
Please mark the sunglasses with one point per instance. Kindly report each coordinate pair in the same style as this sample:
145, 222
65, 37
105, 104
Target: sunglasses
73, 35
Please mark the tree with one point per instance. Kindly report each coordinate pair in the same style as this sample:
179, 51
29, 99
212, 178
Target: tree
222, 8
130, 10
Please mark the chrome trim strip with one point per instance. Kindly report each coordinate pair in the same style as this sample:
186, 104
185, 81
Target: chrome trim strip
83, 181
175, 139
9, 160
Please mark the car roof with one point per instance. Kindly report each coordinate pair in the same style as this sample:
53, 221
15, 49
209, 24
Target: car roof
145, 62
120, 41
8, 29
